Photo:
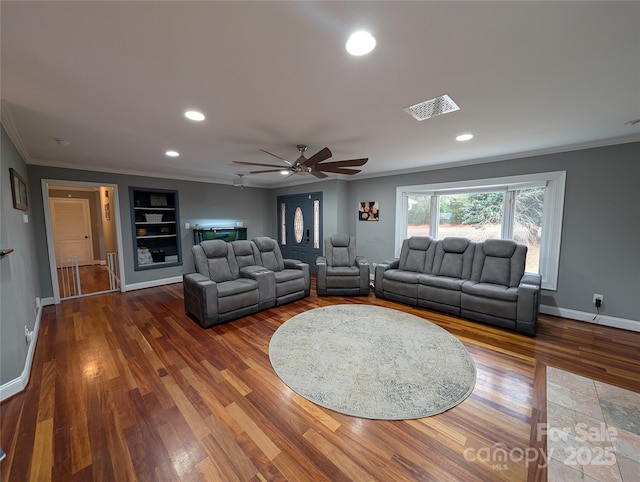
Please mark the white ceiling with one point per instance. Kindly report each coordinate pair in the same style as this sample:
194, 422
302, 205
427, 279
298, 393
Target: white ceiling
115, 78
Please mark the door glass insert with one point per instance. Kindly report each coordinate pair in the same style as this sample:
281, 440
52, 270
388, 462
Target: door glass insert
298, 224
316, 223
283, 223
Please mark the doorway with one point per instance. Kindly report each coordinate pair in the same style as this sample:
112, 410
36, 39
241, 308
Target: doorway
83, 238
300, 227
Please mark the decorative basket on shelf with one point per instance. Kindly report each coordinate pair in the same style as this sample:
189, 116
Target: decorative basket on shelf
141, 232
153, 218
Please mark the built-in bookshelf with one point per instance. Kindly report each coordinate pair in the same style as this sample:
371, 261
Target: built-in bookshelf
156, 228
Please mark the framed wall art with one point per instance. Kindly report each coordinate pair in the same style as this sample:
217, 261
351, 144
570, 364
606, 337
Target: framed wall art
18, 191
369, 211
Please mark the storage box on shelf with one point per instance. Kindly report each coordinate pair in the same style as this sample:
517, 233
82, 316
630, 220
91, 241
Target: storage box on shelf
153, 218
156, 228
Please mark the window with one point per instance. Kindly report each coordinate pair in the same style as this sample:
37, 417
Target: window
525, 208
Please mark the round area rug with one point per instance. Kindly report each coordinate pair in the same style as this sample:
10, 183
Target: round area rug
372, 362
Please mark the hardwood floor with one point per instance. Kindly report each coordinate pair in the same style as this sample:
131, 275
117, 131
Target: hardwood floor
126, 387
93, 279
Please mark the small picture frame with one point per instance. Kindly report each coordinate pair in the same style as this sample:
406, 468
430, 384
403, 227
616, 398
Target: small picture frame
369, 211
18, 191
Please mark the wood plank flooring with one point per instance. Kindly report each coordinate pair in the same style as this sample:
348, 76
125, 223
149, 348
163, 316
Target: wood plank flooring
126, 387
93, 279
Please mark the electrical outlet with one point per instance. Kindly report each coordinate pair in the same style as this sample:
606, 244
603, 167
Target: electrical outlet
28, 335
596, 297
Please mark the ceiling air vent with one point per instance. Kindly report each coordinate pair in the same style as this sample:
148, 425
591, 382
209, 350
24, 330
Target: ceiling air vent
431, 108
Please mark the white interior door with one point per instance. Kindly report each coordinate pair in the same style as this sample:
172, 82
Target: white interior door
71, 223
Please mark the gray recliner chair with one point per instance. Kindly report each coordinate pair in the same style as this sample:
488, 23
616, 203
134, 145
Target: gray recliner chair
499, 290
291, 275
340, 271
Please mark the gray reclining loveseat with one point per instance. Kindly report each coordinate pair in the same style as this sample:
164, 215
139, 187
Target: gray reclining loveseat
235, 279
484, 281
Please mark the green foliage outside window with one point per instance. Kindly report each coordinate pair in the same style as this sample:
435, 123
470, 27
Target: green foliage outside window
420, 212
482, 209
529, 211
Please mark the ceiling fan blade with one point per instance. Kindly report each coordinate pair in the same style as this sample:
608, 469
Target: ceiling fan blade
260, 164
274, 155
319, 174
338, 170
268, 170
347, 163
319, 156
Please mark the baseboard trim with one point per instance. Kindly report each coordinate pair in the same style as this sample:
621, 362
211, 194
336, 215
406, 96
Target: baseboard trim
604, 320
16, 385
153, 283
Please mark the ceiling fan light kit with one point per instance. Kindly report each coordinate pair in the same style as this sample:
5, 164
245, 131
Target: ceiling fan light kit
313, 165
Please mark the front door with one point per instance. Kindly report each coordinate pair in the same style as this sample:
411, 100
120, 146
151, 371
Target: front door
299, 227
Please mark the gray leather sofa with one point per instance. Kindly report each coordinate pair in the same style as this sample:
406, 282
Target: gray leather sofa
239, 278
483, 281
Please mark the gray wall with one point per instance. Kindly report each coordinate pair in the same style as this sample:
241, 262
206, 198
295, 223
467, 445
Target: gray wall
202, 203
600, 250
19, 271
601, 224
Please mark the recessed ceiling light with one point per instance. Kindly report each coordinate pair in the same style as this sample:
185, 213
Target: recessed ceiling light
172, 153
464, 137
360, 43
194, 115
63, 142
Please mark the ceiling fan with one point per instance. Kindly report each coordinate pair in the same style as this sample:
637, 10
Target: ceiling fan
313, 165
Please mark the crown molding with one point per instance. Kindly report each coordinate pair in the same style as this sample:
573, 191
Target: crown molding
301, 180
11, 130
133, 172
507, 157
